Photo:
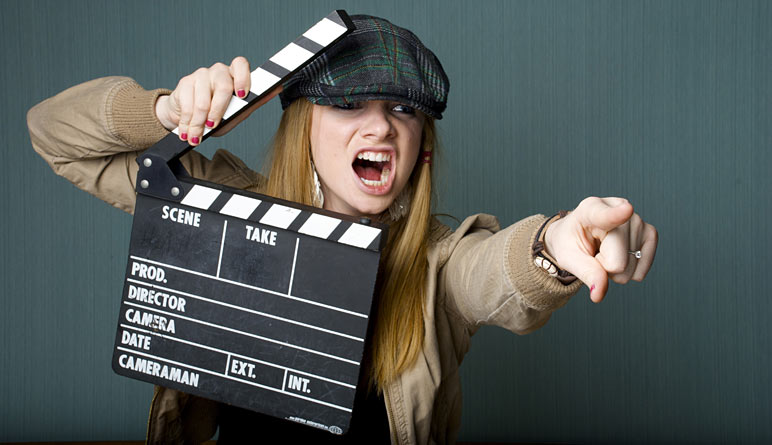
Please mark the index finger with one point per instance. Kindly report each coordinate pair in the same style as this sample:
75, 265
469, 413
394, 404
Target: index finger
239, 70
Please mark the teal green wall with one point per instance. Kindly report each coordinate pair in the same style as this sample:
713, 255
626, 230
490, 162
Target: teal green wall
666, 103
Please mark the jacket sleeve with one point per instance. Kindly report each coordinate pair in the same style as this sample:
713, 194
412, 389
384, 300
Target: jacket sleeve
489, 278
92, 133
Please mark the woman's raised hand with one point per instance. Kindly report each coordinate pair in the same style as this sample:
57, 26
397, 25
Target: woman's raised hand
200, 99
597, 241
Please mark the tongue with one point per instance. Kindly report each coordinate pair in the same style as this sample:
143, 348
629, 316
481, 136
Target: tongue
369, 173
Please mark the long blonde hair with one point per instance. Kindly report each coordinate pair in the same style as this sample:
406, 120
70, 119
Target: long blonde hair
399, 329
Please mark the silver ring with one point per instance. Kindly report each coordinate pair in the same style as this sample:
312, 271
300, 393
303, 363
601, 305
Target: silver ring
636, 254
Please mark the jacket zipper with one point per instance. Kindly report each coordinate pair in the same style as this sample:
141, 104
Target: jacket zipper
390, 414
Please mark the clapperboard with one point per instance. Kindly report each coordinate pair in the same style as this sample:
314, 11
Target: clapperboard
242, 298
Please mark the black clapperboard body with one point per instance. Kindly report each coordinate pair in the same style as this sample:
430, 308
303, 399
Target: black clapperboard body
242, 298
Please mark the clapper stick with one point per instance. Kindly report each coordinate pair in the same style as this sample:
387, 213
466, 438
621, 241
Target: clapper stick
159, 165
243, 298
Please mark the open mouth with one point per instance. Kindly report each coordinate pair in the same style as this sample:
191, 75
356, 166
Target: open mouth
373, 168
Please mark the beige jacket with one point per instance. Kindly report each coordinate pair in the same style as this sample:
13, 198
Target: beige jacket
478, 274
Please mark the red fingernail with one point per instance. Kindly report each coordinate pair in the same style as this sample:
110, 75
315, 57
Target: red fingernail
194, 139
592, 288
241, 93
210, 123
184, 136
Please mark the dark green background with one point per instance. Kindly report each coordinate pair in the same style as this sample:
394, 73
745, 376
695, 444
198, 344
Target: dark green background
665, 103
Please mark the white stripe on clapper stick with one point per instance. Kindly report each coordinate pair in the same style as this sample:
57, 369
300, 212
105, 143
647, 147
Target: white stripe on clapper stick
324, 32
319, 226
262, 81
359, 236
279, 216
200, 197
291, 56
240, 206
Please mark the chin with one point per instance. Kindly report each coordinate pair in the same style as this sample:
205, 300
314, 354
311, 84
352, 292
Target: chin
372, 213
371, 209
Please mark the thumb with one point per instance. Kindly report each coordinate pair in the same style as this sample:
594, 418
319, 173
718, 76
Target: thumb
605, 214
592, 274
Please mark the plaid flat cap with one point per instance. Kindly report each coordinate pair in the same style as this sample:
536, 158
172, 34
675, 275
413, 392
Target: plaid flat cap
377, 61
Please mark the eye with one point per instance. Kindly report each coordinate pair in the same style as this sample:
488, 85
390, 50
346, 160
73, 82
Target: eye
347, 106
404, 109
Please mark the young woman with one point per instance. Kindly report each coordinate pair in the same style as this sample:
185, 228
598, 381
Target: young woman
357, 137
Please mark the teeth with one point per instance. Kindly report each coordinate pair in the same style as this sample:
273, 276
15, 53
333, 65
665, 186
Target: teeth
374, 157
373, 183
384, 178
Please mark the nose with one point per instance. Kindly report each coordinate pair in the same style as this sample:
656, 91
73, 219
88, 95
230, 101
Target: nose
377, 121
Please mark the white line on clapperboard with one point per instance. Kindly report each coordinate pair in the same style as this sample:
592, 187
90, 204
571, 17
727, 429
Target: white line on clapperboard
248, 334
251, 311
236, 283
234, 378
294, 260
222, 244
231, 354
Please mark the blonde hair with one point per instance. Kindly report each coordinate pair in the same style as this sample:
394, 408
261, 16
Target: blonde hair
398, 334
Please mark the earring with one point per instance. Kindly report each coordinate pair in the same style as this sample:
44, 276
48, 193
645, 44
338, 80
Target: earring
318, 195
401, 205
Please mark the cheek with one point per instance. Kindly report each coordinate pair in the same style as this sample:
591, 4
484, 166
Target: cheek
329, 136
314, 134
414, 145
320, 140
328, 151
